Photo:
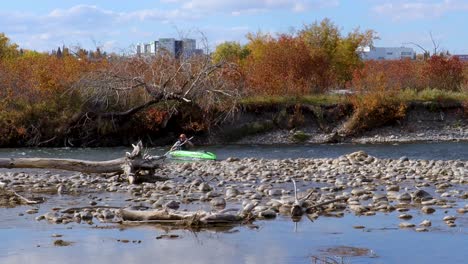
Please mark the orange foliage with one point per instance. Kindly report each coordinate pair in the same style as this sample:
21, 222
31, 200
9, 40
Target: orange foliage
282, 66
34, 95
435, 73
444, 73
391, 75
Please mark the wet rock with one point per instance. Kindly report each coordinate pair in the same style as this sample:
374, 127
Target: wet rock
393, 188
204, 187
449, 218
32, 211
379, 197
172, 205
268, 214
274, 192
231, 192
426, 223
421, 229
427, 210
405, 216
61, 243
421, 195
218, 202
406, 225
404, 197
86, 215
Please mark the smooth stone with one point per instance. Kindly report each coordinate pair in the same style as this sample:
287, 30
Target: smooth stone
404, 197
426, 223
393, 188
218, 202
269, 214
231, 192
204, 187
274, 192
172, 205
421, 229
427, 210
405, 216
421, 195
450, 218
406, 225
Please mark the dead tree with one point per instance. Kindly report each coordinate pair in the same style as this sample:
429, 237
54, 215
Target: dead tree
129, 165
129, 85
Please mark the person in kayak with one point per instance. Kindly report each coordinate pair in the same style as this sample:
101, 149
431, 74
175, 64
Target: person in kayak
183, 143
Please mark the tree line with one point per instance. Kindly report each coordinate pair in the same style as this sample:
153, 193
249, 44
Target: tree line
76, 97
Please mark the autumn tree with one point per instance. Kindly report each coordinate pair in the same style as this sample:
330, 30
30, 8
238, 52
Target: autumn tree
231, 52
338, 56
7, 49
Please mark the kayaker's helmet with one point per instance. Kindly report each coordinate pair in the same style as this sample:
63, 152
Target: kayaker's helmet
182, 137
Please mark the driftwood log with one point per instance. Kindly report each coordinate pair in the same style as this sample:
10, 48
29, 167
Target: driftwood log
129, 165
187, 219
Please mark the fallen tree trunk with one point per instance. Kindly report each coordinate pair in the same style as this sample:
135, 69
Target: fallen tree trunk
188, 219
64, 164
129, 165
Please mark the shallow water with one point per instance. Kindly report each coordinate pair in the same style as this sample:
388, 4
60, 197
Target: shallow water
436, 150
24, 240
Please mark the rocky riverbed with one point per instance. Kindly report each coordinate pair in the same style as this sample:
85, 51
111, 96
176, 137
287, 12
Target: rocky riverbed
356, 183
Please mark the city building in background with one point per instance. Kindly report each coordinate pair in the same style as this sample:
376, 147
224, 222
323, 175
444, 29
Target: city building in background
183, 48
388, 53
461, 57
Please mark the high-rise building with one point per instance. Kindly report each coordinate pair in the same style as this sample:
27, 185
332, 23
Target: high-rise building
184, 48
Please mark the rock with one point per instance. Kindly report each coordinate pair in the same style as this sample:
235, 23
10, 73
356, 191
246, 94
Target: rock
427, 210
218, 202
359, 227
404, 197
405, 216
274, 192
462, 210
421, 229
61, 243
32, 211
231, 192
406, 225
204, 187
393, 188
449, 218
269, 214
358, 192
172, 205
379, 197
421, 195
425, 223
86, 215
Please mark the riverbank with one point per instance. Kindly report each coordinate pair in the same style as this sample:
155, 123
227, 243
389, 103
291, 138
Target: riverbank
399, 199
423, 122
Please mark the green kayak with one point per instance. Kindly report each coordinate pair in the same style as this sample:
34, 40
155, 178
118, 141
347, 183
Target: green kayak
192, 155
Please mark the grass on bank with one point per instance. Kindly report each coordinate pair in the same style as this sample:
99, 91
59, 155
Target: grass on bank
404, 96
314, 99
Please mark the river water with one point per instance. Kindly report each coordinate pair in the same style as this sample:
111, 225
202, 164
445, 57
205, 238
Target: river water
24, 240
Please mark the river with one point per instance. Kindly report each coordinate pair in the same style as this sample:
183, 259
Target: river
24, 240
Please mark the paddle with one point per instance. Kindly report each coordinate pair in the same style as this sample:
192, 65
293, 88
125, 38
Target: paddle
177, 144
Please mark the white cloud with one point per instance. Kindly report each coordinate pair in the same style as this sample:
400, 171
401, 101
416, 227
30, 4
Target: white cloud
237, 7
410, 10
79, 23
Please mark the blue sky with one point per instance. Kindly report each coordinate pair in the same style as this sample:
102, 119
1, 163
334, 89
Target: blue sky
116, 25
